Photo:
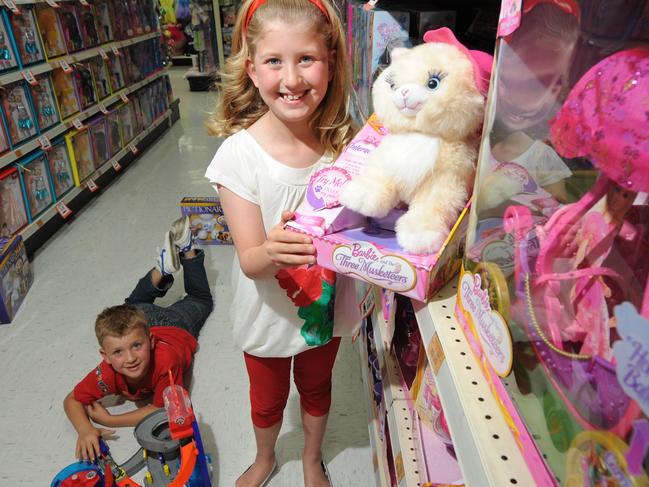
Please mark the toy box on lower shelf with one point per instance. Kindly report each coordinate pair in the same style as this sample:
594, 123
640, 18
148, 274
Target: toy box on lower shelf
15, 276
206, 219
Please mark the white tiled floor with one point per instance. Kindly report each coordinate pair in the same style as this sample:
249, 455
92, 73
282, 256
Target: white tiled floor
93, 262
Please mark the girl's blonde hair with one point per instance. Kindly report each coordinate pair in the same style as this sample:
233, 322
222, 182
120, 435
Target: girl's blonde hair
239, 104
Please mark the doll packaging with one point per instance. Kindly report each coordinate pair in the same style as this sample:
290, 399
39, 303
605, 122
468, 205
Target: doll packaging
88, 23
99, 140
37, 184
44, 102
66, 93
84, 84
72, 30
15, 276
18, 113
114, 136
13, 214
81, 153
206, 220
101, 76
115, 71
104, 15
127, 122
51, 31
60, 168
26, 36
8, 58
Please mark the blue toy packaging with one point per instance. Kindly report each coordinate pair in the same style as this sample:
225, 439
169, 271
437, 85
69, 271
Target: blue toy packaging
7, 51
26, 37
44, 102
37, 183
207, 220
18, 113
60, 168
15, 276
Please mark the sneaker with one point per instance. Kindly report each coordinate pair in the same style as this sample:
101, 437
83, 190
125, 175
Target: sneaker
182, 234
167, 260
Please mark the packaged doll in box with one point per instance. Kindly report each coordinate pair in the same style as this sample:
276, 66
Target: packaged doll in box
26, 37
99, 140
114, 137
35, 175
122, 20
137, 16
126, 123
18, 114
60, 168
81, 153
84, 83
128, 63
66, 93
44, 102
117, 80
101, 76
104, 15
4, 141
7, 56
71, 26
51, 31
88, 24
150, 17
13, 215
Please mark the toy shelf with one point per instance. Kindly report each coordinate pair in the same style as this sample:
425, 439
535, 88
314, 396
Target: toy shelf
138, 142
31, 2
62, 127
485, 446
70, 59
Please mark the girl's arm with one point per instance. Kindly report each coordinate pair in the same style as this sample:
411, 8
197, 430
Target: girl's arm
261, 255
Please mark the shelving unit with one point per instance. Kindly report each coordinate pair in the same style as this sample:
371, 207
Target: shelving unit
485, 446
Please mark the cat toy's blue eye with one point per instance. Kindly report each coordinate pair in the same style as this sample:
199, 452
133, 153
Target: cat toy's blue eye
433, 83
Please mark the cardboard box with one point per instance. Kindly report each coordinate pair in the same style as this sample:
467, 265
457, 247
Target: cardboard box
347, 244
206, 219
15, 276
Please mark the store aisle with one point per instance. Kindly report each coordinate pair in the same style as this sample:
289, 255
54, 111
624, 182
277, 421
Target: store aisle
92, 263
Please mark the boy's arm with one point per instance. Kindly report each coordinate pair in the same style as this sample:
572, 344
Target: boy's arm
101, 415
87, 447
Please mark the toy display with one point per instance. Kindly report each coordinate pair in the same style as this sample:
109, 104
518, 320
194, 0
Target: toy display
117, 80
554, 297
72, 32
36, 180
122, 20
26, 37
101, 76
103, 11
81, 154
7, 55
66, 94
114, 137
171, 452
13, 215
206, 219
60, 168
15, 276
127, 122
137, 18
99, 140
44, 102
88, 22
84, 84
51, 31
18, 114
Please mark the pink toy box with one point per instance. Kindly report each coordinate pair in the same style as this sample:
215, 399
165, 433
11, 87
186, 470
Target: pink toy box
15, 277
206, 219
348, 243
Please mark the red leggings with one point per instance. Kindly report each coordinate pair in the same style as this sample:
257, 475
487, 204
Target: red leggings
270, 382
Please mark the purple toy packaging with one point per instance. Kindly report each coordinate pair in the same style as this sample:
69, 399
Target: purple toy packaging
206, 219
15, 276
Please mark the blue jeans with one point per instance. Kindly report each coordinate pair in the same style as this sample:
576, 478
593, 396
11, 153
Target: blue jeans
190, 312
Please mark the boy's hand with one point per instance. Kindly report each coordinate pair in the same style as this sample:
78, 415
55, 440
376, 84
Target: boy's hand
286, 248
88, 442
99, 414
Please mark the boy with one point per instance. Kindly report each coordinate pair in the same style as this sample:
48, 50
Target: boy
140, 342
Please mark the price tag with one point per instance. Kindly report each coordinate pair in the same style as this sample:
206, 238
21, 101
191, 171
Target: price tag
133, 149
102, 53
123, 96
116, 165
12, 6
45, 143
115, 50
39, 223
63, 210
84, 3
65, 66
78, 124
29, 77
52, 4
102, 108
370, 5
92, 186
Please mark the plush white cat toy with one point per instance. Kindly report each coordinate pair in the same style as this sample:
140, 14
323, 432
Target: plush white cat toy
431, 99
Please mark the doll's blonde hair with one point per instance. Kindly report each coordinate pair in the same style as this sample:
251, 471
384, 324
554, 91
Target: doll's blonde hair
239, 104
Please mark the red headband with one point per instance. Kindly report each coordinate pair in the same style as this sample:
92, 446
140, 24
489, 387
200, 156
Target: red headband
258, 3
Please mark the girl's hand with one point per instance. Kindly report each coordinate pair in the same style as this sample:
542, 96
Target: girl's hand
88, 442
286, 248
98, 413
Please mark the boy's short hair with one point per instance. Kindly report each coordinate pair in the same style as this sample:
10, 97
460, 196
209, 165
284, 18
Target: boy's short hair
119, 320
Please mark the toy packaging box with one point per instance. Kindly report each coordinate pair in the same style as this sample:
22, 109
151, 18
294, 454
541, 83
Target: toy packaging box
101, 76
37, 183
104, 14
72, 32
127, 122
84, 84
114, 137
348, 243
60, 168
4, 141
99, 140
13, 214
51, 31
66, 93
8, 58
554, 293
206, 219
88, 21
44, 102
26, 36
122, 27
81, 154
117, 80
18, 112
15, 276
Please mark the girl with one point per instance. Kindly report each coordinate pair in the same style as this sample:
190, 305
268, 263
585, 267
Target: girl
283, 106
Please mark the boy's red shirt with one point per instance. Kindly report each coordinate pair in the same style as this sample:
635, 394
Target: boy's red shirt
174, 349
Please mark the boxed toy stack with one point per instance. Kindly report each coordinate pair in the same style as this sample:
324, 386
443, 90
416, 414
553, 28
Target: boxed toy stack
554, 296
206, 219
15, 276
